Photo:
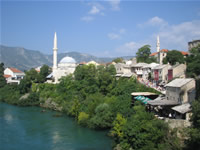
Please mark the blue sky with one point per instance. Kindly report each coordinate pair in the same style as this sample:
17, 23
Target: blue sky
101, 28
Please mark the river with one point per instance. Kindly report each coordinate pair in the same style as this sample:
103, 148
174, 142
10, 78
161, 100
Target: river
27, 128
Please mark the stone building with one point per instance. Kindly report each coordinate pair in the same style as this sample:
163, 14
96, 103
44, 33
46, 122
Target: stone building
192, 44
177, 102
176, 71
181, 90
160, 73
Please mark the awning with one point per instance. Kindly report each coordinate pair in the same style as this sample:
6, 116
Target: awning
184, 108
142, 99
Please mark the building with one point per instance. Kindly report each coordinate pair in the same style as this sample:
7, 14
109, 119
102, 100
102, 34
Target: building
123, 70
192, 44
181, 90
177, 102
66, 66
160, 73
13, 75
146, 70
176, 71
92, 62
137, 69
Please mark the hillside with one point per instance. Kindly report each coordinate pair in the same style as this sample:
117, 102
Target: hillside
25, 59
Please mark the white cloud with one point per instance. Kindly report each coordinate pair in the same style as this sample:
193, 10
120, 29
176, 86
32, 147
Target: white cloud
94, 10
129, 48
114, 4
178, 36
130, 45
113, 36
87, 18
155, 21
122, 31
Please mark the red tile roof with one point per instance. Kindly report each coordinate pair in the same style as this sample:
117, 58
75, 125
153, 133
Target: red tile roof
82, 63
15, 70
6, 76
153, 54
184, 53
164, 50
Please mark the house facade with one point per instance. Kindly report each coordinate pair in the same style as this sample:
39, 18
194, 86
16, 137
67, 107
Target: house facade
13, 75
176, 71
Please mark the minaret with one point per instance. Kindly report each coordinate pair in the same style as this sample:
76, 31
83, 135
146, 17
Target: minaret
158, 50
55, 49
158, 44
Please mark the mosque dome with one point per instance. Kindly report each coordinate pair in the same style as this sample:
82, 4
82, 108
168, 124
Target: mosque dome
67, 60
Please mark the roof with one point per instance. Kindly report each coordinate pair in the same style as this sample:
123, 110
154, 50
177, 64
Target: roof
6, 75
82, 63
153, 54
160, 66
15, 70
139, 65
143, 93
162, 101
67, 60
179, 82
126, 75
142, 99
184, 53
184, 108
164, 50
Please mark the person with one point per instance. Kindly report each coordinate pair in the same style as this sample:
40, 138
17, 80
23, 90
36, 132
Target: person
170, 115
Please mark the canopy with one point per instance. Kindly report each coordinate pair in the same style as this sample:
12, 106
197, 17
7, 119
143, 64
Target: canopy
142, 99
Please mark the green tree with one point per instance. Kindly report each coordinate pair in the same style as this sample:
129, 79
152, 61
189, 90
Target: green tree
118, 60
143, 53
143, 132
118, 126
2, 79
193, 62
103, 117
44, 71
83, 118
173, 57
194, 133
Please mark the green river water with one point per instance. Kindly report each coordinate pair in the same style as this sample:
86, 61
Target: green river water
27, 128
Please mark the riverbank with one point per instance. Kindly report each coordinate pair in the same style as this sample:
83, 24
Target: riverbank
98, 101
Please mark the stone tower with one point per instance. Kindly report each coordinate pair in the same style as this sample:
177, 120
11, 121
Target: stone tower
55, 49
160, 55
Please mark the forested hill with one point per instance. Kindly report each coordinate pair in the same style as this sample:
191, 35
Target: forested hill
25, 59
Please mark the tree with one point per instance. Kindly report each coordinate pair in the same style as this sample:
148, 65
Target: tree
44, 71
118, 60
173, 57
118, 126
143, 53
193, 142
143, 131
2, 79
193, 62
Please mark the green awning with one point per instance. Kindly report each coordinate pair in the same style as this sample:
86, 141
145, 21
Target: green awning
142, 99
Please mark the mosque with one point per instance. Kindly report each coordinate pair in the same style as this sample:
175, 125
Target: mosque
66, 66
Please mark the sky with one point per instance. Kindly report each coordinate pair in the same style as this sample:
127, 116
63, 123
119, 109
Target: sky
102, 28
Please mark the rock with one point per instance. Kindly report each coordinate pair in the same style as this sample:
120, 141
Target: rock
49, 103
25, 96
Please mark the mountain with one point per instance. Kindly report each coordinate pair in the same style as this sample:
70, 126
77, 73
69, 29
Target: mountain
22, 58
25, 59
